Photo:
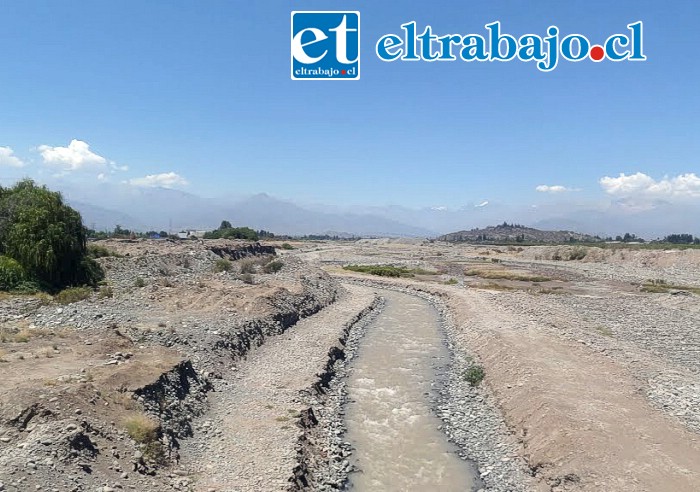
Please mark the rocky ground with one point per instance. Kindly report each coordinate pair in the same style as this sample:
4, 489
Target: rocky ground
596, 377
103, 393
198, 366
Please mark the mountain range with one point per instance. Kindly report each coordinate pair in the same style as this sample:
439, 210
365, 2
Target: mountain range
107, 204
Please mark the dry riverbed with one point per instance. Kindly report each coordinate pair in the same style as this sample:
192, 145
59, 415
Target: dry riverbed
200, 367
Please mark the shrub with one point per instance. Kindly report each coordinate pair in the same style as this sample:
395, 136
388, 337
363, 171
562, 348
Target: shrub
222, 265
233, 233
273, 267
97, 251
577, 254
73, 294
145, 431
474, 375
287, 246
139, 283
11, 273
27, 287
380, 270
105, 292
247, 278
248, 265
141, 429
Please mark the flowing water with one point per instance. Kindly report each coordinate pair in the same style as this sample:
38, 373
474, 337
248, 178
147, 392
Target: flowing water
398, 446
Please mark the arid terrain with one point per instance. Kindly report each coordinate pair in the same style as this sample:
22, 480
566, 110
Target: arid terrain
221, 366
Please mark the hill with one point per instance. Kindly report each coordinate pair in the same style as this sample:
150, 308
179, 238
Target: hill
516, 233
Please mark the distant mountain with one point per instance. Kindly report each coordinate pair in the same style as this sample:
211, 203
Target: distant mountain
99, 218
107, 205
513, 232
283, 217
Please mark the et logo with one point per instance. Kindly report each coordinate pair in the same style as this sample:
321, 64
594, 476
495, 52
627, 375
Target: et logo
325, 46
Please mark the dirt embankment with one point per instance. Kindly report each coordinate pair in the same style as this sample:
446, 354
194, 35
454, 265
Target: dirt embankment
104, 391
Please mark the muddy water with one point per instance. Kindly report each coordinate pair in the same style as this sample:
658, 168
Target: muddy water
398, 446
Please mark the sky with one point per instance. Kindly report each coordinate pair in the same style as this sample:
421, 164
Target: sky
197, 96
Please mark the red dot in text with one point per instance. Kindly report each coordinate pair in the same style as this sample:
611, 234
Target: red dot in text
597, 53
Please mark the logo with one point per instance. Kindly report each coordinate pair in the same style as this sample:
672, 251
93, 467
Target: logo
325, 45
544, 51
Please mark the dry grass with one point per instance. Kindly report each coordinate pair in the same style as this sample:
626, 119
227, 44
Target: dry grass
141, 428
552, 290
493, 286
46, 352
661, 287
73, 294
505, 275
22, 334
604, 330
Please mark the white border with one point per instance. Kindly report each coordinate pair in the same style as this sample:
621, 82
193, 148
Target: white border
359, 47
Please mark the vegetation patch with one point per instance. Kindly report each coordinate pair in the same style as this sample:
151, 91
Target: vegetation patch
145, 431
660, 286
222, 265
474, 375
227, 231
105, 292
97, 251
493, 286
287, 246
11, 273
72, 294
45, 237
273, 266
388, 270
504, 275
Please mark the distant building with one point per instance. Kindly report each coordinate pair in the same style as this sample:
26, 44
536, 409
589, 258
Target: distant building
191, 233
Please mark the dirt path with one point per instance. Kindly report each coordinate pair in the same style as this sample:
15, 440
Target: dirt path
584, 422
247, 440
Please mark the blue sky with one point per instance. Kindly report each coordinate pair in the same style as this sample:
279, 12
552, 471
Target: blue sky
200, 93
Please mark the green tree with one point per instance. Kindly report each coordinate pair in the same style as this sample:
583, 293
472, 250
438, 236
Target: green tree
225, 224
45, 236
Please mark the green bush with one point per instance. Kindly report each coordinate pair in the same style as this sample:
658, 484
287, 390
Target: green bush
380, 270
273, 267
474, 375
286, 246
232, 233
247, 278
139, 282
222, 265
73, 294
27, 287
11, 273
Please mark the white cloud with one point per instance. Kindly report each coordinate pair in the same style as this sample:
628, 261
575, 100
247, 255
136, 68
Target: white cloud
553, 189
640, 185
439, 209
482, 204
7, 158
163, 180
75, 157
101, 177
